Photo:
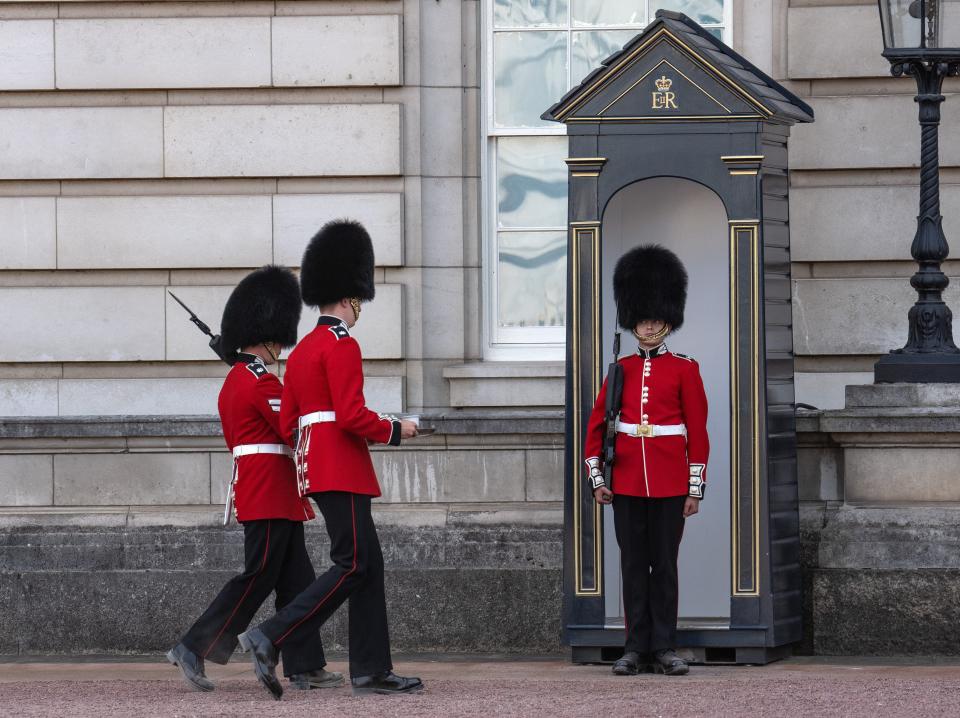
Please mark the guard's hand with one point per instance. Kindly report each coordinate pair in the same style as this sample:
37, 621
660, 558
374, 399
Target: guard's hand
408, 429
603, 495
691, 506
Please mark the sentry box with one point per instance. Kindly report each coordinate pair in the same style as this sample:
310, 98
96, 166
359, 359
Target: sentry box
678, 140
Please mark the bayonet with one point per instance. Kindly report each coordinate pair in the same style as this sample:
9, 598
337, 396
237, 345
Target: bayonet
214, 342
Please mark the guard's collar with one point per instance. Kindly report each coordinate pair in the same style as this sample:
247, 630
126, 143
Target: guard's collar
655, 352
249, 358
330, 320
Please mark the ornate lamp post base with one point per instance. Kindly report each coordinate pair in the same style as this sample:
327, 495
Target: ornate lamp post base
918, 369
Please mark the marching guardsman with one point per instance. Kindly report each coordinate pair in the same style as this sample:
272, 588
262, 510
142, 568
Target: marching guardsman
323, 402
259, 320
661, 448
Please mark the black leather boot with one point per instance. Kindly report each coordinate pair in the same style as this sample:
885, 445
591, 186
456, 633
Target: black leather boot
319, 678
191, 666
387, 683
264, 659
627, 665
669, 663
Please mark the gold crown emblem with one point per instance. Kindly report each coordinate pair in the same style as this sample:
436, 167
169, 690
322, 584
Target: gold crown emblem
664, 83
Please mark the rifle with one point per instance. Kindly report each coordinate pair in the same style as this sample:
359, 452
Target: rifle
215, 342
612, 411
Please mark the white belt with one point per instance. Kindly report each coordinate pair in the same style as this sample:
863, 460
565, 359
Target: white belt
249, 450
317, 417
651, 430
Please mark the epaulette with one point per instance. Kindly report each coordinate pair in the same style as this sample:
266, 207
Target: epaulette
339, 331
684, 356
257, 369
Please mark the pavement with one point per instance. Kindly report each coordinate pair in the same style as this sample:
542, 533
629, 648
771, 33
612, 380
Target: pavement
485, 686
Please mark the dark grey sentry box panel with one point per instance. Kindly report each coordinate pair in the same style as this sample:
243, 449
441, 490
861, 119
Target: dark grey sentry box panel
676, 102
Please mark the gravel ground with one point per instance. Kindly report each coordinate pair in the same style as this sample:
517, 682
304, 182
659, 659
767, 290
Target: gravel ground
471, 689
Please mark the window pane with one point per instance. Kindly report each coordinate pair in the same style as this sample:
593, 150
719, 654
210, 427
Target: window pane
529, 13
530, 74
587, 13
591, 48
531, 182
532, 278
702, 11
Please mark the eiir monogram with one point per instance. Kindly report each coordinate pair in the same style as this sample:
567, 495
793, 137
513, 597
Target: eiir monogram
663, 99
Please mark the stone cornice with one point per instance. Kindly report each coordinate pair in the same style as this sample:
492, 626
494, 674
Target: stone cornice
494, 421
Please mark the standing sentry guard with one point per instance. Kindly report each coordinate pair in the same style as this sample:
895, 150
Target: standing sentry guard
647, 454
259, 320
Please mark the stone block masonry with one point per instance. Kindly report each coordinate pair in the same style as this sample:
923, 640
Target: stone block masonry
118, 518
456, 586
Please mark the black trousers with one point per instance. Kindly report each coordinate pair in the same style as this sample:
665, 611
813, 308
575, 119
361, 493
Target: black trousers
276, 559
648, 532
355, 576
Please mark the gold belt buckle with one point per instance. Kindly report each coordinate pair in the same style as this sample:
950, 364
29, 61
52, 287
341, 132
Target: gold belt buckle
643, 430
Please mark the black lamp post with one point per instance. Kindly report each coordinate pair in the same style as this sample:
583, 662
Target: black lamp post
916, 43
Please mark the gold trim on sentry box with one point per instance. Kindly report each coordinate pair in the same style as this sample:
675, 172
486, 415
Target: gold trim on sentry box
637, 52
664, 61
739, 165
745, 229
583, 231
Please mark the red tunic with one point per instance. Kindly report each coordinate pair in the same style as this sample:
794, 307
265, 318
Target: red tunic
266, 484
662, 389
325, 373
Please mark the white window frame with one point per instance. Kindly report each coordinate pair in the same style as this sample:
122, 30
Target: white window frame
506, 343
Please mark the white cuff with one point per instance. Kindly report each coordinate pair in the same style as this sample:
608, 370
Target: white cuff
697, 483
595, 474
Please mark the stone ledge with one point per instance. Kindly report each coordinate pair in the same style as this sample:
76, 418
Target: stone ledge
808, 421
494, 421
41, 427
186, 548
935, 396
884, 421
544, 514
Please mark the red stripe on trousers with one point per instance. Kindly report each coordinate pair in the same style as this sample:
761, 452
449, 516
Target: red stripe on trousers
263, 565
353, 519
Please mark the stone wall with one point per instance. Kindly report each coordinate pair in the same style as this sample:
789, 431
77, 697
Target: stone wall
175, 145
470, 581
879, 521
110, 537
178, 144
125, 513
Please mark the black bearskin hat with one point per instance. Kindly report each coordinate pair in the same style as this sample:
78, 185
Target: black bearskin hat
338, 264
649, 282
264, 307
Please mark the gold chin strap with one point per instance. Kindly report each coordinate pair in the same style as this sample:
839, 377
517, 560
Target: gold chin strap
650, 338
276, 357
355, 306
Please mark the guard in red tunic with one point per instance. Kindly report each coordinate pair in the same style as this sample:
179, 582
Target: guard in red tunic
661, 450
323, 403
260, 318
